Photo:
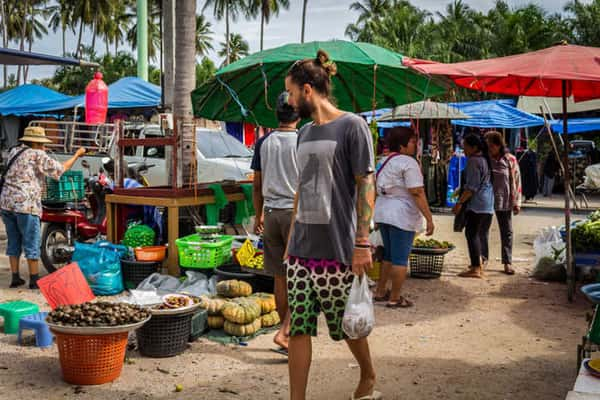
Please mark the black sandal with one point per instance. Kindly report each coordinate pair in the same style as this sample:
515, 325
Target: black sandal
385, 297
402, 302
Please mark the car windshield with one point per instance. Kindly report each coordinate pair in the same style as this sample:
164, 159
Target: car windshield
219, 144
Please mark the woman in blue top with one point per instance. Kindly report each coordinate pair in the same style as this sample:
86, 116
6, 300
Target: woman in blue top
478, 198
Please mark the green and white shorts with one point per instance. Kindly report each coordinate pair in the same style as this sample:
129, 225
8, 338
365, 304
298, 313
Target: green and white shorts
316, 285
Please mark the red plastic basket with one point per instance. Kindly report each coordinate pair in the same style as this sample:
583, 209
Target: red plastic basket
93, 359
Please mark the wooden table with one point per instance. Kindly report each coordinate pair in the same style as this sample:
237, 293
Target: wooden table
172, 204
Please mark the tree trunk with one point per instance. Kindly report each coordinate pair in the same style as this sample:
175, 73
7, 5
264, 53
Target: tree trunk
227, 50
4, 37
262, 29
94, 26
303, 21
116, 46
107, 42
22, 44
78, 50
26, 68
168, 52
185, 81
64, 40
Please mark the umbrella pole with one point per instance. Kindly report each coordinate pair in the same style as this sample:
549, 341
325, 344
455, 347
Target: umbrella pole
567, 177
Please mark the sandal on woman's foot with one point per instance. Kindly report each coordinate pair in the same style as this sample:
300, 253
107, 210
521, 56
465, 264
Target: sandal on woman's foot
385, 297
508, 270
373, 396
402, 302
472, 273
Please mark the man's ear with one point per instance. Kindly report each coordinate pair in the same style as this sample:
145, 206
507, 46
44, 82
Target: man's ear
307, 89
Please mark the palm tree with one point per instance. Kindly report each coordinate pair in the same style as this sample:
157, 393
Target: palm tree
203, 36
371, 12
456, 27
266, 8
62, 17
584, 22
237, 46
153, 30
35, 28
227, 9
114, 28
185, 76
303, 20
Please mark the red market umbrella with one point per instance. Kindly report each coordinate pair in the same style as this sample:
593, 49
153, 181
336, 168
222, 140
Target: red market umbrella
559, 71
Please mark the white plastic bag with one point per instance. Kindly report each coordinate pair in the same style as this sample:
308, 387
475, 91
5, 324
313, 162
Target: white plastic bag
359, 317
549, 244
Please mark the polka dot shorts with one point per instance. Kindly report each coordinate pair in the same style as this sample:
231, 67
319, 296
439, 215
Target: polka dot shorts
314, 286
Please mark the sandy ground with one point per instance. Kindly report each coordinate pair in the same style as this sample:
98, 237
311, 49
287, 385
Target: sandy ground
499, 338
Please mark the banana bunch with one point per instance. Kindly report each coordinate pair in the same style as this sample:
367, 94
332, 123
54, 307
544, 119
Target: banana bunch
257, 262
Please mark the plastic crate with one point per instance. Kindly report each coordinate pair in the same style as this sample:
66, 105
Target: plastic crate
426, 266
199, 324
70, 187
196, 253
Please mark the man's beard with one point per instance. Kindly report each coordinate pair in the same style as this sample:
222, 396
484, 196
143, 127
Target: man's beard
305, 109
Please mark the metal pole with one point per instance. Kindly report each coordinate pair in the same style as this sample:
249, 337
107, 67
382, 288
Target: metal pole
162, 74
569, 255
142, 39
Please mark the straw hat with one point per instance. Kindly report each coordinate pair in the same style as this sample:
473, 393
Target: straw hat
35, 134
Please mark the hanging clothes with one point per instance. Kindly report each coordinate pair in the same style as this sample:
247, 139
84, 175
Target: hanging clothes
529, 175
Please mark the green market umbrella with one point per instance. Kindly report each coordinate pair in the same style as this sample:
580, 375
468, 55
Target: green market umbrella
368, 77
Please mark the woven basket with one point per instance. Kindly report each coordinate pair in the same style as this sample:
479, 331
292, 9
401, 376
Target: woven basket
93, 359
165, 335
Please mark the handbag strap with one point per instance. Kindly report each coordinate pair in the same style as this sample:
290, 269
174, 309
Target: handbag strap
12, 161
385, 163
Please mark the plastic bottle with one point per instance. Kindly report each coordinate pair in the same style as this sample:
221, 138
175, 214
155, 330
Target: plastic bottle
96, 100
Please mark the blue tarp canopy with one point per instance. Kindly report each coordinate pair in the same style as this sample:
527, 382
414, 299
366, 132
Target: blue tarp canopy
12, 101
495, 114
383, 124
19, 57
127, 92
576, 125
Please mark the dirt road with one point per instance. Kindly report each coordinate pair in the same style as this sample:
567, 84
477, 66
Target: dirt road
505, 337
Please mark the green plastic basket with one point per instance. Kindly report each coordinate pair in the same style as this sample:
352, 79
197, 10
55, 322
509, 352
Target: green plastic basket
195, 252
70, 187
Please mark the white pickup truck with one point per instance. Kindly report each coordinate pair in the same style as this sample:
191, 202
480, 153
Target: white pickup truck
220, 157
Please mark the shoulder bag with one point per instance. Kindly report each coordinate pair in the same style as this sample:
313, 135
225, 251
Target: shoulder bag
10, 163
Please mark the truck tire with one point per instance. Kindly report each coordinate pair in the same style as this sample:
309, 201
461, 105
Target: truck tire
53, 235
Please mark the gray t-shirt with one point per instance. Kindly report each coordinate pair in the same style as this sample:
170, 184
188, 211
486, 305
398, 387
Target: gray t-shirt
330, 156
275, 158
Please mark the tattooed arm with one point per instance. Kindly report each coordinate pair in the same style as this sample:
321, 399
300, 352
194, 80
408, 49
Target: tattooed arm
365, 205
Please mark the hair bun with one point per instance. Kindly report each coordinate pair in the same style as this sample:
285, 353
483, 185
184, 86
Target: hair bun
328, 65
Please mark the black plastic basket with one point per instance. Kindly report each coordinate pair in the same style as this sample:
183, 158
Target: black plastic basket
134, 272
165, 335
199, 324
426, 266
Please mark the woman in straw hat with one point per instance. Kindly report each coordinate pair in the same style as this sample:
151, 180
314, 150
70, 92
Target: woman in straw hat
21, 199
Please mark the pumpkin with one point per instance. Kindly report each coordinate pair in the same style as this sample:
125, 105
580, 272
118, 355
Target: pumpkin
266, 301
242, 329
241, 310
213, 305
234, 288
215, 321
270, 319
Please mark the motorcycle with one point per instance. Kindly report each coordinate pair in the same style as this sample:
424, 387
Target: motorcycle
66, 223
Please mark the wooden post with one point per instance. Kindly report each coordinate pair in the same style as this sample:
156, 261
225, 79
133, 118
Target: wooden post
173, 234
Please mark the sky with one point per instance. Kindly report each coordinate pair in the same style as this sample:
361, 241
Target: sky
325, 20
